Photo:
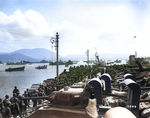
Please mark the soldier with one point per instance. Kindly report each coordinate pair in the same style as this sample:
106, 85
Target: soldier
1, 105
40, 88
12, 98
29, 95
1, 115
20, 103
48, 91
41, 93
25, 101
6, 100
6, 112
15, 90
14, 107
45, 90
34, 101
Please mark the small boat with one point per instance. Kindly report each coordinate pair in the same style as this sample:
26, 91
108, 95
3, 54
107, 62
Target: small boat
41, 67
15, 69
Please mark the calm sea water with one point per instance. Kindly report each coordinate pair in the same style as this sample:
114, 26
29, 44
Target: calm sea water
24, 79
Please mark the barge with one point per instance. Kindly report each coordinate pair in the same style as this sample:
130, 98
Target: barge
15, 69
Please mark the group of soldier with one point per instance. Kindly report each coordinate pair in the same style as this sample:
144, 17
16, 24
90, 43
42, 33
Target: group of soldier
16, 106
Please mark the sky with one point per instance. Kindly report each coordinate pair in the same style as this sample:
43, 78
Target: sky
102, 26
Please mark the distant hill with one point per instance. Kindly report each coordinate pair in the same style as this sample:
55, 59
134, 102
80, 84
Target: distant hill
37, 53
32, 55
16, 57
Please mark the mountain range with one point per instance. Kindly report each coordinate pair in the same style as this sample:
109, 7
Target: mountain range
31, 55
38, 54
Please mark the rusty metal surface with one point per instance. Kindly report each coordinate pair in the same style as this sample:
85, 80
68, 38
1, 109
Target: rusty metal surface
52, 112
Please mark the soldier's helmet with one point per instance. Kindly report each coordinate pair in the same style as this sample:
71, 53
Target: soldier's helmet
7, 96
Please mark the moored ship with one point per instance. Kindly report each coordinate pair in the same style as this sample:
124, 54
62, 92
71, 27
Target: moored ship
15, 69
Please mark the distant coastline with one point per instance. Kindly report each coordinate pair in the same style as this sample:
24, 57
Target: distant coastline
39, 54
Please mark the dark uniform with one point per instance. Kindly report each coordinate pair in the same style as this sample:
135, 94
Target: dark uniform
25, 101
29, 95
1, 115
48, 91
15, 90
6, 100
6, 112
1, 105
20, 103
34, 101
14, 107
41, 93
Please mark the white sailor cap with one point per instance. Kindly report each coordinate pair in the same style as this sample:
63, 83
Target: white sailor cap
127, 75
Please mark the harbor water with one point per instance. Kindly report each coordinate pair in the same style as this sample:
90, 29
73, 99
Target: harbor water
24, 79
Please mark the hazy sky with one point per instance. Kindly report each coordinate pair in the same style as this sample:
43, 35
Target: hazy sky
109, 26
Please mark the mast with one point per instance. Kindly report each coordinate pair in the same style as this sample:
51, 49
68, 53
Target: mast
97, 57
57, 37
88, 57
56, 45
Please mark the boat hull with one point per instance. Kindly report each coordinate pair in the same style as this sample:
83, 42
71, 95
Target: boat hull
41, 67
15, 69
